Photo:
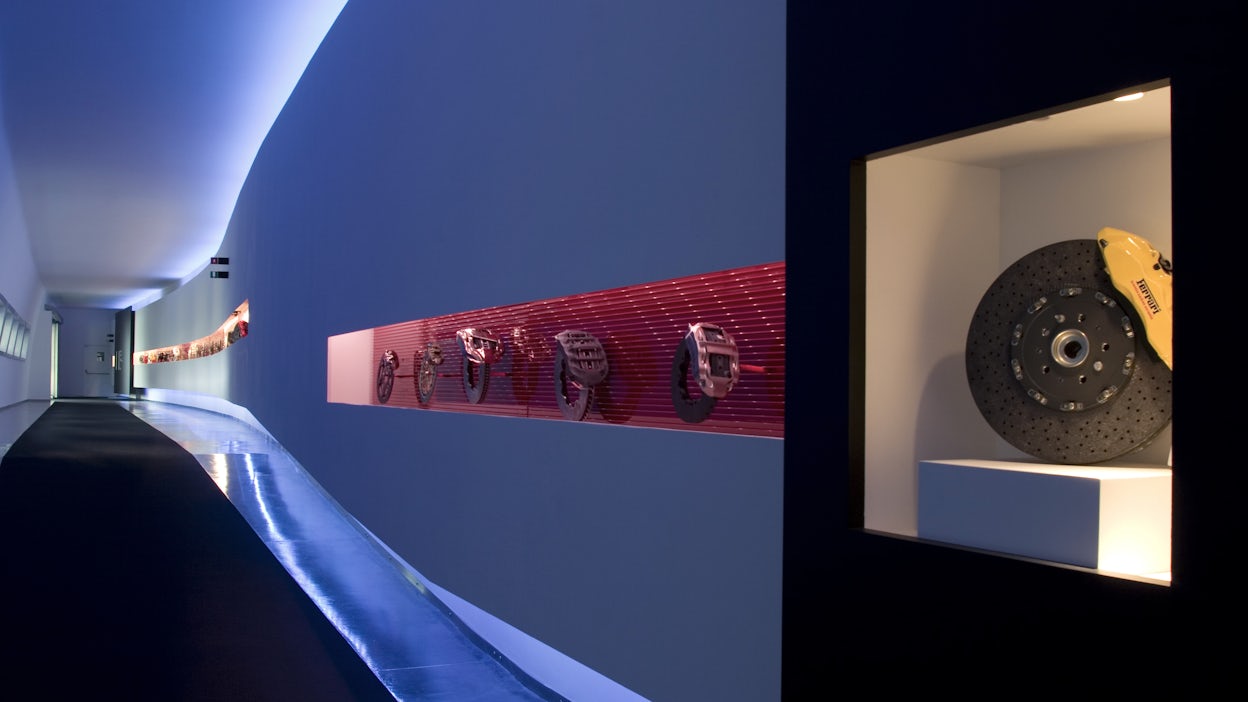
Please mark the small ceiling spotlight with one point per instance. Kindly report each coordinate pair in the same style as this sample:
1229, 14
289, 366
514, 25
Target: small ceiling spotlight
1129, 98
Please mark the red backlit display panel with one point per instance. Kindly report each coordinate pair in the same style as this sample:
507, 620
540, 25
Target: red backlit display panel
640, 328
230, 332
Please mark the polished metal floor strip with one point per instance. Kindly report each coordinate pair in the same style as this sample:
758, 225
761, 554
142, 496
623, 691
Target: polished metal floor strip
389, 616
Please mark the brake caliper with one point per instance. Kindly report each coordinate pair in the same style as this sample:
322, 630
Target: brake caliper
586, 360
716, 364
480, 346
1144, 277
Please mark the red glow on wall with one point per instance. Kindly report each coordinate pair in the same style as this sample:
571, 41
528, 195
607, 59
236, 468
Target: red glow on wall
640, 327
234, 328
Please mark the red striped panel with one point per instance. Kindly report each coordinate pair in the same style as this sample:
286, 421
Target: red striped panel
233, 329
640, 327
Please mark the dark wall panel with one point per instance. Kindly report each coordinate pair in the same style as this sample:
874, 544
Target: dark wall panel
869, 77
123, 343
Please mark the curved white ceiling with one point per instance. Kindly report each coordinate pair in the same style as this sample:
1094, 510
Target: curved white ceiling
132, 125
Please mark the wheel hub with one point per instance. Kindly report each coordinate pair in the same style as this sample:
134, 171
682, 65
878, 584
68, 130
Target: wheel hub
1074, 349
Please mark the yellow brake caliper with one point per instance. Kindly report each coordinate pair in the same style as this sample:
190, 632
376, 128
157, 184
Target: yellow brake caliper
1144, 278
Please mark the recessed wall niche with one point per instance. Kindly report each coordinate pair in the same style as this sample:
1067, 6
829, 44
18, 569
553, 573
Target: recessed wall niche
936, 223
234, 328
642, 330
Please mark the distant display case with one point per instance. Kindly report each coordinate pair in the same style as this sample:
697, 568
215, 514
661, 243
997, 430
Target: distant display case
231, 331
936, 224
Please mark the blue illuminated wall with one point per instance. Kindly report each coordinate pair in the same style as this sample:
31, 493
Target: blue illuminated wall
440, 157
20, 286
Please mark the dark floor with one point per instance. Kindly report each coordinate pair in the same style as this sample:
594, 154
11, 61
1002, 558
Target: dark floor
392, 616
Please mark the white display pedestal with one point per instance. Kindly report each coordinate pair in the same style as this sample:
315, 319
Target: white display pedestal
1115, 519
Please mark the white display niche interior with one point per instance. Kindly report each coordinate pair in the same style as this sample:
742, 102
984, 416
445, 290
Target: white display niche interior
943, 220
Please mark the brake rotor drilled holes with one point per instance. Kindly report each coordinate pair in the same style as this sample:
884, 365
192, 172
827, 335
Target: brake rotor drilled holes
1052, 361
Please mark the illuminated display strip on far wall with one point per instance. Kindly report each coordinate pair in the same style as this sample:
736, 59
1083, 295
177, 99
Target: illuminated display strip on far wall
231, 331
640, 328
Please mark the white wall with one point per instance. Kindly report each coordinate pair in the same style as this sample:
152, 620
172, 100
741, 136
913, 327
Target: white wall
39, 360
1052, 200
933, 231
349, 357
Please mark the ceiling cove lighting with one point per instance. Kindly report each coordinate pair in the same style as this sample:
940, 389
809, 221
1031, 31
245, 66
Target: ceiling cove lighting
276, 47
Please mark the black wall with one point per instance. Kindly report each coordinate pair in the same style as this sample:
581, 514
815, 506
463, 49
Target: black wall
872, 76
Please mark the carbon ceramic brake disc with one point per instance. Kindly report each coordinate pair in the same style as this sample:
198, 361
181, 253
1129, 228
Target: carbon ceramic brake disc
1058, 364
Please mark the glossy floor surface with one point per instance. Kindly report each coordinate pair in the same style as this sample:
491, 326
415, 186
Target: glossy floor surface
418, 647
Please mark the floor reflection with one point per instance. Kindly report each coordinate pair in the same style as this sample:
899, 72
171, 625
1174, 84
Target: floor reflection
399, 628
424, 643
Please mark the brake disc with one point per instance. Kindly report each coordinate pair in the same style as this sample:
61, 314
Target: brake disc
580, 365
426, 378
1058, 364
385, 375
